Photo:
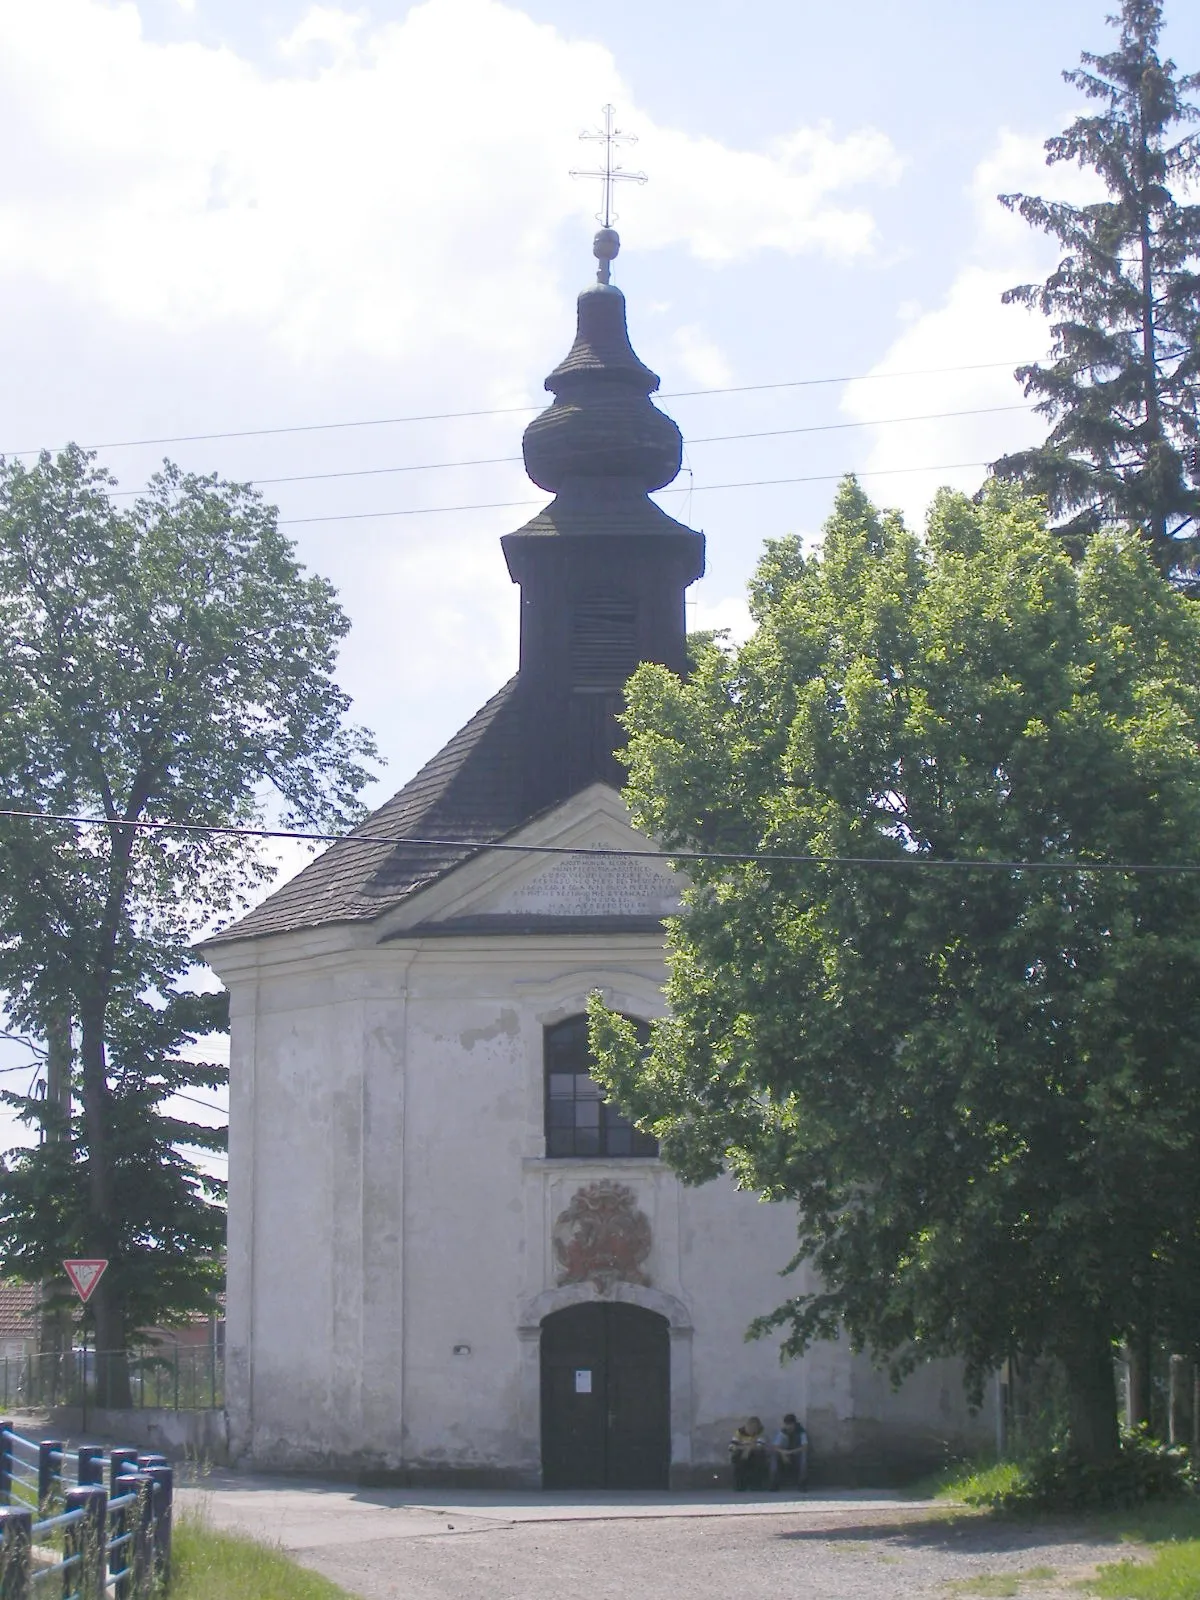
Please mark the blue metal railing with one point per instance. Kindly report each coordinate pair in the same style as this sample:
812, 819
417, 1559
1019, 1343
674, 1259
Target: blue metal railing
111, 1513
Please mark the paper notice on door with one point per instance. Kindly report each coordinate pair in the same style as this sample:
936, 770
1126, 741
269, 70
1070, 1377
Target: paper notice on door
583, 1380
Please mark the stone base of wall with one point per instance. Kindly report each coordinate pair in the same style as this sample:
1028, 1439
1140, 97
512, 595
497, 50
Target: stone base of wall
198, 1436
883, 1471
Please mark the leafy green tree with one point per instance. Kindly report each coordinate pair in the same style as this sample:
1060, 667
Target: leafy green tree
167, 661
1123, 387
979, 1083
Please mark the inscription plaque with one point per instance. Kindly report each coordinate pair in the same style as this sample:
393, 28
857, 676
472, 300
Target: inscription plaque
606, 886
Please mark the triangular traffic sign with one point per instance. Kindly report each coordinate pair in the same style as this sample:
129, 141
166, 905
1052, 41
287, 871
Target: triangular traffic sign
84, 1276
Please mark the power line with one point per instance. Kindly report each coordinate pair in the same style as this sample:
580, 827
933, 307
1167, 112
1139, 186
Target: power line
209, 1105
881, 422
715, 438
503, 411
687, 488
202, 1151
171, 1094
911, 859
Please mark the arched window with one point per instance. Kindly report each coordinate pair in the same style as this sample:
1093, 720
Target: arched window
579, 1120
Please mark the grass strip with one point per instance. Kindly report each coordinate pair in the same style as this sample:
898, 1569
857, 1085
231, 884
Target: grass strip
211, 1565
1172, 1534
1171, 1531
975, 1485
1172, 1574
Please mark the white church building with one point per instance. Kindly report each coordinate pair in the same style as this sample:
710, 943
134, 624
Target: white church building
449, 1258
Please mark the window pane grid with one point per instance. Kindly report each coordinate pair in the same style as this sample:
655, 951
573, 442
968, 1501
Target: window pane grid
579, 1121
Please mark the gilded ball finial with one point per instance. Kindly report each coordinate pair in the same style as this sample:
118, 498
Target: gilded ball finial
605, 247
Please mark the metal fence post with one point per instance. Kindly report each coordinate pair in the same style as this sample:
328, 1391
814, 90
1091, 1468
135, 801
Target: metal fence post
120, 1558
87, 1539
163, 1475
49, 1469
6, 1463
143, 1535
120, 1461
16, 1544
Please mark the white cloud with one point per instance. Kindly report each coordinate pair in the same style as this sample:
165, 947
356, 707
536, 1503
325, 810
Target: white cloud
370, 226
729, 204
969, 326
730, 615
332, 33
698, 358
175, 183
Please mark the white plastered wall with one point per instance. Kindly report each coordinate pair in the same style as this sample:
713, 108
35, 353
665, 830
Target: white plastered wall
392, 1211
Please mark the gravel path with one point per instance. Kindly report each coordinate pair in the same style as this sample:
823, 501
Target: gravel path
397, 1545
750, 1558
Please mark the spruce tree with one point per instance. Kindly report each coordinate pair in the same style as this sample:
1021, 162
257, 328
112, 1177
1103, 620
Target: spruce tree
1121, 387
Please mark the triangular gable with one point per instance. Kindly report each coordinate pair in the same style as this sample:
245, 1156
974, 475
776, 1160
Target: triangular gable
509, 887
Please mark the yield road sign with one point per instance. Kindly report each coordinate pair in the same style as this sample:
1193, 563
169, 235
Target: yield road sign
84, 1276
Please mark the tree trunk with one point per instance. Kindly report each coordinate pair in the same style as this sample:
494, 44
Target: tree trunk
1092, 1399
60, 1056
1154, 434
113, 1389
1138, 1354
57, 1324
112, 1365
1178, 1420
112, 1360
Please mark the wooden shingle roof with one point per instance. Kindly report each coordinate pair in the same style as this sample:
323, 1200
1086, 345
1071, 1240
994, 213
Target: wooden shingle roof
470, 790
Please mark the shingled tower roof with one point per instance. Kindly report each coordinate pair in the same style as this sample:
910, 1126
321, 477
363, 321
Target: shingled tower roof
603, 572
603, 446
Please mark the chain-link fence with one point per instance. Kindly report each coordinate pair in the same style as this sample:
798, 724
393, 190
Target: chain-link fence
175, 1377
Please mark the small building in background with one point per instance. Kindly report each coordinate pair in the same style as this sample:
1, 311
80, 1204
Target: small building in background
20, 1320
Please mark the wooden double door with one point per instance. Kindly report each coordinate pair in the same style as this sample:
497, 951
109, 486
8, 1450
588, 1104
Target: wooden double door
606, 1398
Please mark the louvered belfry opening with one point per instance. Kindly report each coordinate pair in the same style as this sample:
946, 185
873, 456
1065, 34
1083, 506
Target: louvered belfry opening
604, 642
603, 569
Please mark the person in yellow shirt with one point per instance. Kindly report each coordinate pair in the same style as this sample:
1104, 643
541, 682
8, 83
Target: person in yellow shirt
748, 1452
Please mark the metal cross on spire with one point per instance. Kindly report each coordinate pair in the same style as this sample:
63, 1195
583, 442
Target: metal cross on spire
610, 137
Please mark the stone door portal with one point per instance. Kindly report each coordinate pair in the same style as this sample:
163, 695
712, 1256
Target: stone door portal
606, 1398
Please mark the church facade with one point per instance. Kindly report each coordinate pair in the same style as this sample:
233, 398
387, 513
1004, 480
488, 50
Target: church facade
449, 1257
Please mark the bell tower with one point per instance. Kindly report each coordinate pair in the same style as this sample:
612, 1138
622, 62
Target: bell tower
602, 570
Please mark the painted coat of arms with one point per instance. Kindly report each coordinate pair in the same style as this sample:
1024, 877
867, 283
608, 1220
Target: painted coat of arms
602, 1237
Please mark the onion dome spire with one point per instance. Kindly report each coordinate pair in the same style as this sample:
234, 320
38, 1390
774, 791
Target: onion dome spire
602, 425
603, 569
602, 439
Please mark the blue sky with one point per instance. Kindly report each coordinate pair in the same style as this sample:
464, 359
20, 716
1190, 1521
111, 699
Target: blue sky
225, 215
234, 216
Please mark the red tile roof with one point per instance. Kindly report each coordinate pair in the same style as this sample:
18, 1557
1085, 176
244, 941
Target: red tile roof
19, 1304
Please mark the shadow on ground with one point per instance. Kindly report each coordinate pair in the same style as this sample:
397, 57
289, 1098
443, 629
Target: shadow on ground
957, 1532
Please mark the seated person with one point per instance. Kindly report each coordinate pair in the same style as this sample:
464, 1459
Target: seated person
747, 1451
789, 1454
